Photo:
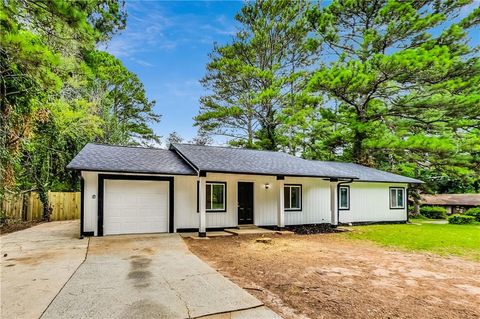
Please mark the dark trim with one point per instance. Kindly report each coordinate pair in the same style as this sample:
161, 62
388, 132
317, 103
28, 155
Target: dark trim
273, 174
198, 197
202, 234
100, 205
194, 230
280, 177
333, 179
202, 173
390, 198
171, 189
389, 182
130, 172
88, 233
338, 196
82, 206
301, 199
373, 223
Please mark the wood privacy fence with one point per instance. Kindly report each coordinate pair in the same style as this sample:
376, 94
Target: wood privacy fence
27, 206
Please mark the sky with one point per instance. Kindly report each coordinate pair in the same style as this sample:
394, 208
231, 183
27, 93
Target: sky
166, 43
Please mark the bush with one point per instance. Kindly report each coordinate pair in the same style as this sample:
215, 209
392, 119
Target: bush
434, 212
461, 219
475, 212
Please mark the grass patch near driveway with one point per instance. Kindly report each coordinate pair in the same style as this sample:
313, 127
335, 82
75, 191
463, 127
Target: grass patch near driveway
446, 239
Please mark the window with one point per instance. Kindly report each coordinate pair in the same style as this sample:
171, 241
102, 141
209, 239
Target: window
293, 197
344, 197
397, 197
215, 197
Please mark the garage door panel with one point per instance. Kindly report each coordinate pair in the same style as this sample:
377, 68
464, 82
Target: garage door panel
132, 206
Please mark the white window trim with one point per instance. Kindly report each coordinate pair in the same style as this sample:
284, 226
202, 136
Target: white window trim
396, 189
224, 208
289, 187
340, 198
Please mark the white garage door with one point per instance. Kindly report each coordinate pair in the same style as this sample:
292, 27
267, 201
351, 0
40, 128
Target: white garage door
132, 207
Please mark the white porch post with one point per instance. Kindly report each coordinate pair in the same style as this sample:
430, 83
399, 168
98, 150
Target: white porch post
281, 202
334, 202
202, 215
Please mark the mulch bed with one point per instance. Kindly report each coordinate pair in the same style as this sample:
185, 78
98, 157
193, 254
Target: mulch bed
313, 229
16, 226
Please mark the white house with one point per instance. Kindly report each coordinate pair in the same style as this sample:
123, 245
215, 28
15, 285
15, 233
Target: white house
191, 187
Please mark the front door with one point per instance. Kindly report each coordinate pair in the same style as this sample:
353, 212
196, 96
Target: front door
245, 203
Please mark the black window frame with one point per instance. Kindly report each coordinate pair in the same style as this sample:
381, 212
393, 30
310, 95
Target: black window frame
301, 198
390, 197
224, 210
339, 197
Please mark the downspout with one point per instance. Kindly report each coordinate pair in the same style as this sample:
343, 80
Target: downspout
338, 197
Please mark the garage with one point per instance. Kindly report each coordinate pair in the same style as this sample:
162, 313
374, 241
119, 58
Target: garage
135, 206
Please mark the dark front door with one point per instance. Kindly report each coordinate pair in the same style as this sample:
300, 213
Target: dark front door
245, 203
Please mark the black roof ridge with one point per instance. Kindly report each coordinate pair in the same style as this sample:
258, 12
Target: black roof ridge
129, 146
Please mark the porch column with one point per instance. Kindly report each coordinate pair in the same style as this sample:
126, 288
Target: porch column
334, 202
281, 202
202, 215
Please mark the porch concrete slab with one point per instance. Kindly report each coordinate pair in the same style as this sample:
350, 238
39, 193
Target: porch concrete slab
249, 231
146, 276
219, 234
35, 264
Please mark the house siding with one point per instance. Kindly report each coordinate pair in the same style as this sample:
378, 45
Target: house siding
370, 202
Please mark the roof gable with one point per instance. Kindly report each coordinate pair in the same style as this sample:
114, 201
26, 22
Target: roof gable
109, 158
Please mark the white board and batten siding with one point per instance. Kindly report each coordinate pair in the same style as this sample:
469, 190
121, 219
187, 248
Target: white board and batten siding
370, 202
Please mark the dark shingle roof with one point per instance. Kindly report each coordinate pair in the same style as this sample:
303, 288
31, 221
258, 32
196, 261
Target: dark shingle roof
236, 160
95, 157
451, 199
367, 174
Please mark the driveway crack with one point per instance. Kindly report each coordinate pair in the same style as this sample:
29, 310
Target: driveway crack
179, 297
69, 278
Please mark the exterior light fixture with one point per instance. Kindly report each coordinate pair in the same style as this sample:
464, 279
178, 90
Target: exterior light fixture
267, 185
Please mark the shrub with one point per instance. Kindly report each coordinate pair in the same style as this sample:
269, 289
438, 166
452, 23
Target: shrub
461, 219
475, 212
434, 212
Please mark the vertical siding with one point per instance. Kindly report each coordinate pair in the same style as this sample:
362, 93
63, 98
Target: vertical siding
369, 202
315, 202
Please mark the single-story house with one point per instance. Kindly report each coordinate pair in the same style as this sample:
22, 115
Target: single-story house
453, 203
199, 188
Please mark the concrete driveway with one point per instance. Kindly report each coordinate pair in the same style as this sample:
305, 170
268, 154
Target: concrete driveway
140, 276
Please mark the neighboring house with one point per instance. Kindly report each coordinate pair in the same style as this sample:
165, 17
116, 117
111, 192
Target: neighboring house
192, 187
454, 203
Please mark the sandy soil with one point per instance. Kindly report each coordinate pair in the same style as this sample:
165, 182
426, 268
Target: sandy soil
16, 226
325, 276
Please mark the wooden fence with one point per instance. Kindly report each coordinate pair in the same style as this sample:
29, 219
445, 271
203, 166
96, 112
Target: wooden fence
27, 206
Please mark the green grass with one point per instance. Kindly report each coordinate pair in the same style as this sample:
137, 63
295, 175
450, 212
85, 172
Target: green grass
458, 240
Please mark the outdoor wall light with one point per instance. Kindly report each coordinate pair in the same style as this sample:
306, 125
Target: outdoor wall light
267, 185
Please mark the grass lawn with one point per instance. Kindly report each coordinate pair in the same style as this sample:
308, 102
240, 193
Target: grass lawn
459, 240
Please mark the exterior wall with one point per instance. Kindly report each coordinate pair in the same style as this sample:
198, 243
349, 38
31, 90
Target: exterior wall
315, 202
370, 202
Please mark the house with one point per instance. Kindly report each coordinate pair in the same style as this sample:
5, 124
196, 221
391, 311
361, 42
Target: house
199, 188
453, 203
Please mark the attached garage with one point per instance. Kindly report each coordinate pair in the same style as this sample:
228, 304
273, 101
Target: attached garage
134, 204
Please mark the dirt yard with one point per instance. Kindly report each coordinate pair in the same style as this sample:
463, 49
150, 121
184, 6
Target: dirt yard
326, 276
